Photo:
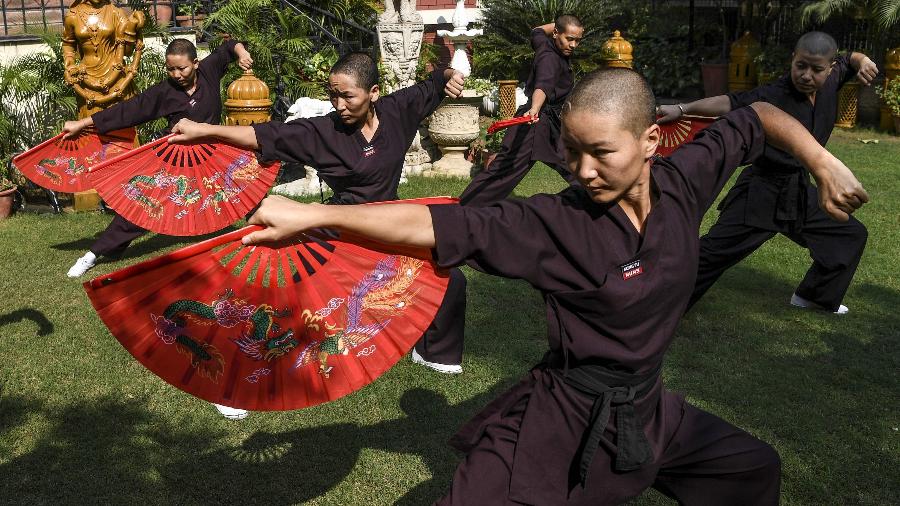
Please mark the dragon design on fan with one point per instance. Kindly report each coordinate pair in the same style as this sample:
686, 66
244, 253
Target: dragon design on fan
260, 337
381, 294
182, 192
245, 169
70, 165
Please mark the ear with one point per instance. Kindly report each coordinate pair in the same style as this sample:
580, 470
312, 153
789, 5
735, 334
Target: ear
374, 93
555, 33
650, 140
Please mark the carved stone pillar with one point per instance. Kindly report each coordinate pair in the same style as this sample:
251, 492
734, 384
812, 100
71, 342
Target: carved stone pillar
400, 31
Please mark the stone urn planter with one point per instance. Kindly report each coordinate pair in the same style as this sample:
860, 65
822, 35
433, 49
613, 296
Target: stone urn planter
453, 126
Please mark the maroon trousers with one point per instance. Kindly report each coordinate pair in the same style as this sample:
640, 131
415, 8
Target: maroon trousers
707, 461
443, 341
516, 157
115, 239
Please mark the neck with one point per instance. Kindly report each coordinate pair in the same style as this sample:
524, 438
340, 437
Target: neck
370, 124
639, 199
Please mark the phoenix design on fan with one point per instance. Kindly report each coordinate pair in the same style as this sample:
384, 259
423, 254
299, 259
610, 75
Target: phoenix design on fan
381, 294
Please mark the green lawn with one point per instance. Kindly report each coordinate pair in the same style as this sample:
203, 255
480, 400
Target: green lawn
82, 422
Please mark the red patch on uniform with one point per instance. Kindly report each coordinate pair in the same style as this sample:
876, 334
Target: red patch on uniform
631, 269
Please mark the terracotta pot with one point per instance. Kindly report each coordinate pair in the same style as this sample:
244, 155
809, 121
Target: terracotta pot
162, 11
6, 202
715, 78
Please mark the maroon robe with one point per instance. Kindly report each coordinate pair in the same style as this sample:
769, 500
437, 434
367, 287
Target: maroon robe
774, 195
523, 145
361, 171
357, 170
169, 100
614, 299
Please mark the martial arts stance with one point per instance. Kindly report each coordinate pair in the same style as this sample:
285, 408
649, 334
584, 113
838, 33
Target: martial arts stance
774, 195
615, 261
548, 86
359, 150
191, 91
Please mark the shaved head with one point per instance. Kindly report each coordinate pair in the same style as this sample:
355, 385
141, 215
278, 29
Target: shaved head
617, 92
565, 21
817, 44
360, 66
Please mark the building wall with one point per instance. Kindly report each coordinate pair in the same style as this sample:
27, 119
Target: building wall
438, 15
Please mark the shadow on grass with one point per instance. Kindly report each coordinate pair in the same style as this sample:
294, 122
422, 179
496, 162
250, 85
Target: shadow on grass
45, 326
142, 247
110, 451
821, 388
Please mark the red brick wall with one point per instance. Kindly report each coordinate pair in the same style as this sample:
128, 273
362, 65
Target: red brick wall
440, 4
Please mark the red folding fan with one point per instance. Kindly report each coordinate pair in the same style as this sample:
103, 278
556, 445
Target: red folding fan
678, 132
178, 189
62, 164
272, 328
506, 123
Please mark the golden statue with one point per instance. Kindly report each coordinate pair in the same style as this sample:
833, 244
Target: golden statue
97, 37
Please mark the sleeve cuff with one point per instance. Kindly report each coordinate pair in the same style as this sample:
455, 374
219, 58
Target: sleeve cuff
265, 139
448, 222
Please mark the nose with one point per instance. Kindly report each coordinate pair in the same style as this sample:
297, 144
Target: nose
584, 169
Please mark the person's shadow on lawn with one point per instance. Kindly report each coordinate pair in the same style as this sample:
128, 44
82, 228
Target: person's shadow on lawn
113, 450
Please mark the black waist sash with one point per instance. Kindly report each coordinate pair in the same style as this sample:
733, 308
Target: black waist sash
613, 388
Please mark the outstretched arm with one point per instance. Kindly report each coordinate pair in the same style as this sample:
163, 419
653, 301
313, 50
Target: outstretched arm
840, 193
190, 131
712, 107
402, 224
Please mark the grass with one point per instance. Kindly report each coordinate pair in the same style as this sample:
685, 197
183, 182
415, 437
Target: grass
82, 422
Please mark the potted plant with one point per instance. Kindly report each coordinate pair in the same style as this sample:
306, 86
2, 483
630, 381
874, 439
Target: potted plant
7, 194
772, 62
714, 70
189, 14
890, 93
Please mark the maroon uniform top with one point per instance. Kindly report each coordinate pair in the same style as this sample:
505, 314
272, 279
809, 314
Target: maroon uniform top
551, 72
613, 297
357, 170
776, 197
168, 99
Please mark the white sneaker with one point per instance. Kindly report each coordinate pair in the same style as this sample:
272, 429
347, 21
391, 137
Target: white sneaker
799, 301
444, 368
82, 265
232, 413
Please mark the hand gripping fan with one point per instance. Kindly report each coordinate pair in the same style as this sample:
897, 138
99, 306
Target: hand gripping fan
680, 131
178, 189
62, 164
506, 123
272, 328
